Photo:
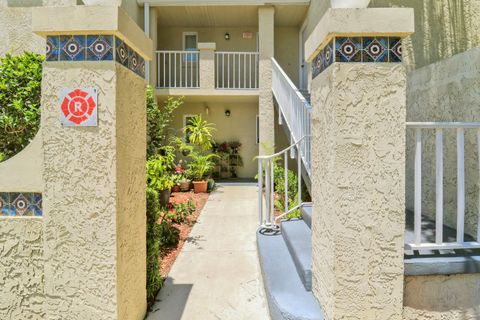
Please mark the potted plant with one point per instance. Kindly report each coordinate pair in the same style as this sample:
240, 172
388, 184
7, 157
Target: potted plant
200, 166
159, 179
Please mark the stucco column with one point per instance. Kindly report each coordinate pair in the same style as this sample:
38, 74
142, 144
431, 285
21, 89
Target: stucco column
94, 175
153, 36
358, 162
265, 103
207, 64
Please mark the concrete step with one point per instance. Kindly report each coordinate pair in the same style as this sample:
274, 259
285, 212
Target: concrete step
287, 297
298, 237
307, 214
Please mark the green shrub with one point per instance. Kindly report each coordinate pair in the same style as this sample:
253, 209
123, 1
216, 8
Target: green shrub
20, 94
158, 120
154, 279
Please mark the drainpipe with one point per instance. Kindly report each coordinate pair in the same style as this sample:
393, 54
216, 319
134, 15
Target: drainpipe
146, 14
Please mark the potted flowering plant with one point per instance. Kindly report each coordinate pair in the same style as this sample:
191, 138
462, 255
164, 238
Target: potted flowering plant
200, 166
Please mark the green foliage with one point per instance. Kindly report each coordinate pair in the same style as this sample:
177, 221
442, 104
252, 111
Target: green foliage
168, 234
200, 132
279, 182
20, 93
200, 164
158, 176
183, 211
154, 279
158, 120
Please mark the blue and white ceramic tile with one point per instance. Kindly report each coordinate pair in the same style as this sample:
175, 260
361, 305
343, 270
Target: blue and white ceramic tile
20, 204
94, 48
99, 47
53, 48
358, 49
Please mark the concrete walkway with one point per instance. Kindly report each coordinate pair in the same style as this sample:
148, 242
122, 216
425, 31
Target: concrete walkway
217, 274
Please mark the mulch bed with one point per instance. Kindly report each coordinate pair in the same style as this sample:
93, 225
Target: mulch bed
169, 255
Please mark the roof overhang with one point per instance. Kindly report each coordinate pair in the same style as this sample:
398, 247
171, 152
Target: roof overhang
177, 3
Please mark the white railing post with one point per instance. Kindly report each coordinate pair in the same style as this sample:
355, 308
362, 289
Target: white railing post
418, 187
285, 177
439, 186
478, 188
460, 185
260, 191
230, 76
173, 69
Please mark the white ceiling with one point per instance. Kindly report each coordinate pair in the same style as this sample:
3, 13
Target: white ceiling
227, 16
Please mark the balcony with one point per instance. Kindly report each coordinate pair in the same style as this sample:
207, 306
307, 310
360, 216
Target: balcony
207, 69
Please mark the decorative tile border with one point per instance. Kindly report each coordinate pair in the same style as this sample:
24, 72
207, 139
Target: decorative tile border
16, 204
94, 48
357, 49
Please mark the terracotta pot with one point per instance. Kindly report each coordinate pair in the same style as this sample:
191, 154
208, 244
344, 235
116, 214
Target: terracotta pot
176, 188
184, 186
200, 186
164, 197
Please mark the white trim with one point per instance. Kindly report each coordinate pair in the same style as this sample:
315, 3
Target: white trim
189, 33
176, 3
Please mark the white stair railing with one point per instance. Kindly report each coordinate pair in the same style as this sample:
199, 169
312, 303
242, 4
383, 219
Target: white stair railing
266, 184
177, 69
439, 128
236, 70
295, 110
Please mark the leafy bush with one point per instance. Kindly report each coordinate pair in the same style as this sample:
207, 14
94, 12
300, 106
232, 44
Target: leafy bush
154, 279
279, 185
200, 132
158, 176
158, 120
20, 93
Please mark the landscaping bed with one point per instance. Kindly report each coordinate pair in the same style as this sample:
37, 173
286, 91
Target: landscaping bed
168, 255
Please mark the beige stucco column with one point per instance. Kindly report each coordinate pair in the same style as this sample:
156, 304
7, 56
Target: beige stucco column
358, 162
265, 104
94, 176
207, 64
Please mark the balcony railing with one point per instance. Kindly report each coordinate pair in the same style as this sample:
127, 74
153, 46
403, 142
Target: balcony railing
236, 70
177, 69
438, 128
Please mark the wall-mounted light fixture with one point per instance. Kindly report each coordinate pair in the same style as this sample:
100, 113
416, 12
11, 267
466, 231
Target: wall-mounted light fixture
227, 113
227, 36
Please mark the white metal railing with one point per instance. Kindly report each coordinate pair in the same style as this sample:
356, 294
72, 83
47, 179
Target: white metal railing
295, 109
439, 128
266, 184
177, 69
236, 70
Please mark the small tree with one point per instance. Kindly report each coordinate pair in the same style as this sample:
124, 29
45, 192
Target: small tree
20, 94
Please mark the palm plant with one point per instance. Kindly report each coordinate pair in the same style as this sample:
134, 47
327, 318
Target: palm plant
200, 132
201, 164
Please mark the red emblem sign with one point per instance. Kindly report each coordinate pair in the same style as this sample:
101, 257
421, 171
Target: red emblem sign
78, 107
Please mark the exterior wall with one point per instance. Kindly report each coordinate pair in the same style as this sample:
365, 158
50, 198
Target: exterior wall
443, 28
358, 190
286, 51
240, 126
23, 172
170, 38
16, 30
131, 207
446, 91
134, 11
442, 297
21, 268
81, 246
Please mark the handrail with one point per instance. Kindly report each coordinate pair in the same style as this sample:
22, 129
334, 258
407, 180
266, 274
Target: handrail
419, 242
294, 109
267, 164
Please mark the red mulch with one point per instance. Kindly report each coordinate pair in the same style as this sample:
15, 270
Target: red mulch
169, 255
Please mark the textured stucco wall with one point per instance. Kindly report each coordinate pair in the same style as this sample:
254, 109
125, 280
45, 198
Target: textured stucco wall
16, 31
286, 51
446, 91
451, 297
21, 268
358, 150
266, 107
131, 220
443, 28
80, 197
240, 126
23, 172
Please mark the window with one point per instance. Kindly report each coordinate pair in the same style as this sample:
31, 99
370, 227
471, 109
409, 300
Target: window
190, 40
186, 121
